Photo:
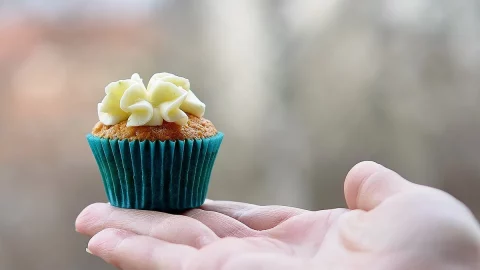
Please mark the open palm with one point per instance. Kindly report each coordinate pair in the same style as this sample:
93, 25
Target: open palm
390, 224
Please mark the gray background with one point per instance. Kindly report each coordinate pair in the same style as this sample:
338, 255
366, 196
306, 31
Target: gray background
303, 90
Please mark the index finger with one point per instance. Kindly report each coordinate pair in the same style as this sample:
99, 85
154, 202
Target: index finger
177, 229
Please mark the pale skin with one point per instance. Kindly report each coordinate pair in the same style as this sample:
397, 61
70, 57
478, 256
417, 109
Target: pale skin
390, 224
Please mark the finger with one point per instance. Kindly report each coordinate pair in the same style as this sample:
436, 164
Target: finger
222, 225
368, 184
172, 228
254, 216
127, 250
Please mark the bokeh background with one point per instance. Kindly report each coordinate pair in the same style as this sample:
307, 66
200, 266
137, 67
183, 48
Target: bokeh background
303, 90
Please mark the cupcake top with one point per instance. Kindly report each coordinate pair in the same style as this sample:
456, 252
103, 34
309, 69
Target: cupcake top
166, 109
167, 97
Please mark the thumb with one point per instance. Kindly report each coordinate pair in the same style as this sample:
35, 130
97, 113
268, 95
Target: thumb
368, 184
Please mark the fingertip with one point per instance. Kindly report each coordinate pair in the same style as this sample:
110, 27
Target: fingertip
356, 177
106, 241
362, 170
368, 184
90, 216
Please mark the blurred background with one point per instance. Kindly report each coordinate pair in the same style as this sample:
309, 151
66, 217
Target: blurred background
303, 90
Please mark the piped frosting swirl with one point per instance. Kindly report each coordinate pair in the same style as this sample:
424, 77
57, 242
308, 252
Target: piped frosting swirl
167, 97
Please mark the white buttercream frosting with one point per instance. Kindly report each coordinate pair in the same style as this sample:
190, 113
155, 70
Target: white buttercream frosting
167, 97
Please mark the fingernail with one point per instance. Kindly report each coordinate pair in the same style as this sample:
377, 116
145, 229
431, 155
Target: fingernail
208, 201
88, 251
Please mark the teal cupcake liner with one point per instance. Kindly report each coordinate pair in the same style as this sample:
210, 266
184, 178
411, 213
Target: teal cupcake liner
167, 176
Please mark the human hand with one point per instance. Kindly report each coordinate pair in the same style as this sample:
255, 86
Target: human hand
390, 224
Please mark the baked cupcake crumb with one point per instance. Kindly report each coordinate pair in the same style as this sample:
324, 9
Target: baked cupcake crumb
196, 128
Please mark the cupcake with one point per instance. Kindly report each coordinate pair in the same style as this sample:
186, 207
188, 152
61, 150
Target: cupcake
154, 149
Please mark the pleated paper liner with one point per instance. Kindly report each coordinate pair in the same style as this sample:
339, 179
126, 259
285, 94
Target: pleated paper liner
168, 176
